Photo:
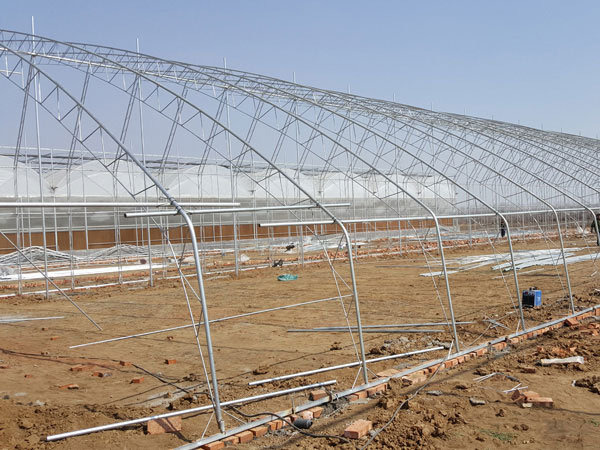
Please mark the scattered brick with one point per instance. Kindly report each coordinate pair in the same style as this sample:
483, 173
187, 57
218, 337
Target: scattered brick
513, 341
102, 373
69, 386
54, 338
170, 338
137, 380
4, 366
28, 375
170, 361
571, 322
530, 396
542, 402
231, 440
317, 394
160, 426
81, 368
590, 332
216, 445
125, 363
316, 411
259, 431
528, 370
44, 328
358, 429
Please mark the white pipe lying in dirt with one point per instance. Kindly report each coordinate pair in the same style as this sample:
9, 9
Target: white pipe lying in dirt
113, 426
342, 366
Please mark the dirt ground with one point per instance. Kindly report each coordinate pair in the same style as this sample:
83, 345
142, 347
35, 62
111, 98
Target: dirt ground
36, 360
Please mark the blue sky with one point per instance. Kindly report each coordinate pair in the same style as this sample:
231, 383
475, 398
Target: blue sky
533, 62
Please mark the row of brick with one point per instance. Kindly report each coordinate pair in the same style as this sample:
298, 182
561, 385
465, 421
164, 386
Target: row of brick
361, 427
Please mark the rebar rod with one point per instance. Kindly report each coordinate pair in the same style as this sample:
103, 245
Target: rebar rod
221, 319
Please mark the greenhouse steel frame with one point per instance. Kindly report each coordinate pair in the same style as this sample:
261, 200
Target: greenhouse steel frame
393, 164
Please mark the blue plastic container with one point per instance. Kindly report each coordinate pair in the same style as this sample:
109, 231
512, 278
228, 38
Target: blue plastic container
532, 297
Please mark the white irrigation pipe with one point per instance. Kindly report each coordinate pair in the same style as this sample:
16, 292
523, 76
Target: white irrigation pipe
126, 423
29, 318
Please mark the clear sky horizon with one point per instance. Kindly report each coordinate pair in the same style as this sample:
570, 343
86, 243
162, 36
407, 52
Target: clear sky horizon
534, 62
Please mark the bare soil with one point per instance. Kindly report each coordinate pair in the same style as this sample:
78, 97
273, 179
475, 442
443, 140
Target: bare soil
36, 360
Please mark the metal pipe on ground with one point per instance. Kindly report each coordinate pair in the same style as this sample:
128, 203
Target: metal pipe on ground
116, 425
181, 327
379, 381
27, 319
367, 330
343, 366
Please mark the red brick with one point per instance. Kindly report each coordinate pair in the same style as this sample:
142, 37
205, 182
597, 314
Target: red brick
542, 402
102, 373
216, 445
160, 426
571, 322
307, 414
414, 378
170, 361
259, 431
590, 332
245, 436
528, 370
460, 359
4, 366
358, 429
451, 363
352, 398
275, 425
317, 394
530, 396
481, 352
317, 411
137, 380
54, 338
434, 368
69, 386
125, 363
514, 341
231, 440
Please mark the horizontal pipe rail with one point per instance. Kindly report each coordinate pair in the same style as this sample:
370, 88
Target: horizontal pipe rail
408, 219
234, 210
108, 204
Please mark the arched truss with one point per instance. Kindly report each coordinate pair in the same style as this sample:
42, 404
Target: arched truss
269, 133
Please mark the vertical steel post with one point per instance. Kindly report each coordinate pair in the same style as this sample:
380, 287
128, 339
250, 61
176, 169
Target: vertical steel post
211, 359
